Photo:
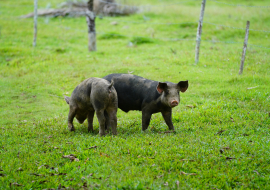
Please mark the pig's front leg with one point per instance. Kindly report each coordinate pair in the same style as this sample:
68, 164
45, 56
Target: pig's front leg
146, 117
71, 115
167, 115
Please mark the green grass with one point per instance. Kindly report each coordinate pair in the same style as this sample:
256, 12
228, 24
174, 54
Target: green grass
219, 110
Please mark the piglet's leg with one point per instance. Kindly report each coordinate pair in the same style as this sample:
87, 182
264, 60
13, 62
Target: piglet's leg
107, 124
167, 115
90, 118
101, 120
71, 115
112, 119
146, 117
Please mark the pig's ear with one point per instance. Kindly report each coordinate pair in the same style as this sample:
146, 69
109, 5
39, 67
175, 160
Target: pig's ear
161, 87
183, 85
67, 99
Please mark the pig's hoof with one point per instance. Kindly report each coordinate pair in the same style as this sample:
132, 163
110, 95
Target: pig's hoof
71, 128
172, 131
90, 130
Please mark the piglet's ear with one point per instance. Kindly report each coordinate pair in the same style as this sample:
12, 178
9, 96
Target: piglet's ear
67, 99
161, 87
183, 85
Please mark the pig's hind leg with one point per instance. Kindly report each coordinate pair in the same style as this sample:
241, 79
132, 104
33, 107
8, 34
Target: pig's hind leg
107, 120
101, 120
90, 118
146, 117
111, 119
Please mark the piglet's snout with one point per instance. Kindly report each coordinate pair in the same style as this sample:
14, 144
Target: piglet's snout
174, 103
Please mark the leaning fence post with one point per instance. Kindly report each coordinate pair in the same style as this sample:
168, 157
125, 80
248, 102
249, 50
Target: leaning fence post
244, 49
199, 33
90, 18
35, 22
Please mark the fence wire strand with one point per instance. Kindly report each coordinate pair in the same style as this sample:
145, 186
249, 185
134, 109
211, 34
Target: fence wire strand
236, 27
180, 23
180, 2
146, 6
232, 42
226, 42
239, 5
253, 45
153, 23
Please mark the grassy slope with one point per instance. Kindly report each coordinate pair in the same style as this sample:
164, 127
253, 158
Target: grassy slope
34, 79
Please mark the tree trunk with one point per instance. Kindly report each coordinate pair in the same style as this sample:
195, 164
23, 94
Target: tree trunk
90, 18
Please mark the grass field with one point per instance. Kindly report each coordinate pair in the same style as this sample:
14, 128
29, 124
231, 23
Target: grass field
222, 123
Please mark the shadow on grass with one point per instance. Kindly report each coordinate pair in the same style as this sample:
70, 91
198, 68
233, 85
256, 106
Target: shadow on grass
126, 129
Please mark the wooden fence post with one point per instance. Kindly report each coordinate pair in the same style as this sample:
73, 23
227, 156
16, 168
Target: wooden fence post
244, 49
90, 18
199, 33
35, 22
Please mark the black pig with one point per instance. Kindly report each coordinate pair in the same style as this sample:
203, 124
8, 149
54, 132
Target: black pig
148, 96
93, 94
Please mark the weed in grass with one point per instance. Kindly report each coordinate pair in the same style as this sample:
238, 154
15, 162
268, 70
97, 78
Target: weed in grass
141, 40
111, 35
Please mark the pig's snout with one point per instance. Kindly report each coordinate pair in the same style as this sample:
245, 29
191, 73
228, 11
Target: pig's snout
174, 103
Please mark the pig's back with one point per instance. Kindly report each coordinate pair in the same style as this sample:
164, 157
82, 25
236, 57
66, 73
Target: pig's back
133, 91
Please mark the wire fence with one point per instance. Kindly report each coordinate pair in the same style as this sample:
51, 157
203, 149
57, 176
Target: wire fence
147, 22
169, 39
130, 36
210, 23
165, 39
181, 23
